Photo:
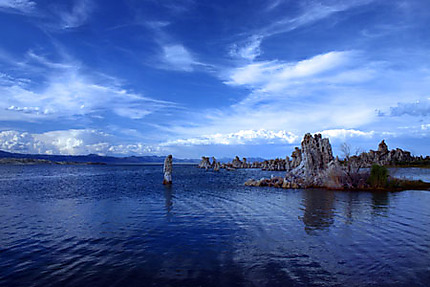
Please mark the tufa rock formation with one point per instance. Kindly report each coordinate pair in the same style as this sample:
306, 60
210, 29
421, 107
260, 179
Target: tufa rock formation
314, 166
309, 167
383, 156
167, 169
205, 163
315, 156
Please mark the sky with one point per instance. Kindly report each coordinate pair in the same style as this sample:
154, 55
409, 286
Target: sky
215, 78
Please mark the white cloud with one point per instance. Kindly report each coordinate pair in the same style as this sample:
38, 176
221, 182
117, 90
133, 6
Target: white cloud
248, 50
340, 89
55, 142
346, 133
425, 127
276, 75
67, 92
177, 57
22, 6
417, 109
242, 137
311, 13
272, 4
69, 142
61, 17
77, 16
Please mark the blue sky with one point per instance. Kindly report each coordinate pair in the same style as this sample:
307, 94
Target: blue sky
218, 78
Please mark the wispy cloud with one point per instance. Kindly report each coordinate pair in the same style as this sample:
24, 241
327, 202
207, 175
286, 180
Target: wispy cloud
177, 57
309, 13
56, 17
273, 76
417, 109
249, 49
338, 93
75, 16
68, 91
272, 4
17, 6
242, 137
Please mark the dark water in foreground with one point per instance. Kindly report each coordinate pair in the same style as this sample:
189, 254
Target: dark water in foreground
118, 226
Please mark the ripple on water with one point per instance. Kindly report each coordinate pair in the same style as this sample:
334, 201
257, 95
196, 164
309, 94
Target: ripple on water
114, 225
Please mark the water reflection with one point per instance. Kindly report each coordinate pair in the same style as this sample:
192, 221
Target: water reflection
380, 203
318, 209
168, 196
350, 199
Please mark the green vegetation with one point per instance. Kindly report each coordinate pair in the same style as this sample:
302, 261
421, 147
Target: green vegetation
378, 176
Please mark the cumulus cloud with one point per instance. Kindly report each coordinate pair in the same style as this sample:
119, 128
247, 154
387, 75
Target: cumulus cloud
20, 6
69, 142
346, 133
55, 142
238, 138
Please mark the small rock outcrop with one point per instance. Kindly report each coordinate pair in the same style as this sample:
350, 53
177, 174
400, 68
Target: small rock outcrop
236, 163
296, 158
205, 163
167, 169
215, 165
383, 156
382, 147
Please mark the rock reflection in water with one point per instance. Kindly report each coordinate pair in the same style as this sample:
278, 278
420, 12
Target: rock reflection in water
380, 202
168, 195
318, 209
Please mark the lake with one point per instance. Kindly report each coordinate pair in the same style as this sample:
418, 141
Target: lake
119, 226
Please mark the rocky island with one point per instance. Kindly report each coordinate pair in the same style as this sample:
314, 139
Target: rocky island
313, 166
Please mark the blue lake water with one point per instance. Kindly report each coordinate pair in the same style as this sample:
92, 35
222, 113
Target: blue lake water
119, 226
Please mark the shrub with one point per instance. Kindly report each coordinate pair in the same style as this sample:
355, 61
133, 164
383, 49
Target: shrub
378, 176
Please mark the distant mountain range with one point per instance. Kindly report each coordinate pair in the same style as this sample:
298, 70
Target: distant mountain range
94, 158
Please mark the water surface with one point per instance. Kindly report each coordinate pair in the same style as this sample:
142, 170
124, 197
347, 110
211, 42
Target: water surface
119, 226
